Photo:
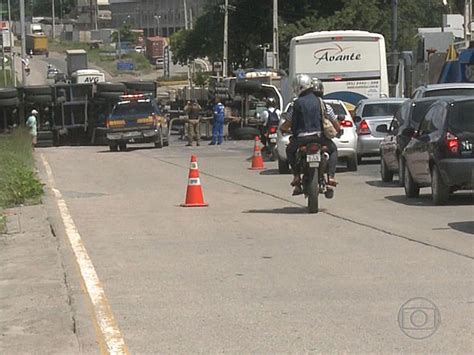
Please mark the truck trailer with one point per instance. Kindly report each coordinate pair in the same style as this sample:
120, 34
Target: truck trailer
36, 43
76, 59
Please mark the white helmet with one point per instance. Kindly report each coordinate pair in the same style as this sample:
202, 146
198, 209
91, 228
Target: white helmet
302, 82
34, 112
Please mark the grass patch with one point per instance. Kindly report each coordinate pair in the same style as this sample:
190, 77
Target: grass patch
18, 181
142, 65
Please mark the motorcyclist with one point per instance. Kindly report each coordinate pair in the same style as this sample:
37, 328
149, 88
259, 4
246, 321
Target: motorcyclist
269, 117
318, 89
306, 125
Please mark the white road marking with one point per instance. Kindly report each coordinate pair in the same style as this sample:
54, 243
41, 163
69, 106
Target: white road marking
110, 333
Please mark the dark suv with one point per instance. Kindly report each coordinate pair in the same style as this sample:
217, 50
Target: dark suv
408, 116
136, 119
441, 153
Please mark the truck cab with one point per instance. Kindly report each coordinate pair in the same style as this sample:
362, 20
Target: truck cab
87, 76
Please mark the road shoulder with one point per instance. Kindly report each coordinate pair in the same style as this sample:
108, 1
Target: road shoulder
37, 316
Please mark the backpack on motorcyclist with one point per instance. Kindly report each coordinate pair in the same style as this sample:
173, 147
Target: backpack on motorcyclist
273, 118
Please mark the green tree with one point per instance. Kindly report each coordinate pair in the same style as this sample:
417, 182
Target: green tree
250, 24
126, 35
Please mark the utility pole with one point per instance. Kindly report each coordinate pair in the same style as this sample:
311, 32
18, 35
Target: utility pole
3, 49
53, 35
226, 35
467, 21
394, 62
185, 15
119, 41
191, 19
276, 59
12, 47
190, 80
394, 25
23, 40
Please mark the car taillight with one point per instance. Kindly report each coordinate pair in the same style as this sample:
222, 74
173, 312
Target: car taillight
364, 127
272, 130
346, 123
452, 142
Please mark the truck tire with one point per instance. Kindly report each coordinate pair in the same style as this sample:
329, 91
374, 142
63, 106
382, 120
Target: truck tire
245, 133
99, 136
142, 86
44, 135
13, 101
39, 99
110, 87
8, 93
44, 143
37, 90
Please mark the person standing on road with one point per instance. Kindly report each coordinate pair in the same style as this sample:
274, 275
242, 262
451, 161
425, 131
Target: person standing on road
193, 110
218, 123
32, 124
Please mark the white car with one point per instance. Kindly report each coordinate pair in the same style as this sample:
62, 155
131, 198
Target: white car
346, 144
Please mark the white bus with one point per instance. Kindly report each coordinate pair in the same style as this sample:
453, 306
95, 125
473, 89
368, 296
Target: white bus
351, 64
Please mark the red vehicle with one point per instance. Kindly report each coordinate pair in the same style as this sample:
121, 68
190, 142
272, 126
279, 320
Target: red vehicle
155, 49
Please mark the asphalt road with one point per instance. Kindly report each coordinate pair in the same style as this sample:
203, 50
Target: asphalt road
254, 272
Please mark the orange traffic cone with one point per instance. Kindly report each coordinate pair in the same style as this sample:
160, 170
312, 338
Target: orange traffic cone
257, 160
194, 196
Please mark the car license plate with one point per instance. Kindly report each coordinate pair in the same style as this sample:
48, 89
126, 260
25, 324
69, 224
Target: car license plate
273, 135
311, 158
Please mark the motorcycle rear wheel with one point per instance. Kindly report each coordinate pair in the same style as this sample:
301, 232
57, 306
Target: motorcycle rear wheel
313, 191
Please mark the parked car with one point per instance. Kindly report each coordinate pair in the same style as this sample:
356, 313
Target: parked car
368, 114
408, 116
448, 89
139, 49
136, 119
441, 153
346, 144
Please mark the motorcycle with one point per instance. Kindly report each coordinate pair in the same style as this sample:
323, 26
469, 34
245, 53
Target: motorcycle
313, 159
271, 139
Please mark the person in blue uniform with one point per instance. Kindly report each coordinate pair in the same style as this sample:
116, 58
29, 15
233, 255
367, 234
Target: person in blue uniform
218, 123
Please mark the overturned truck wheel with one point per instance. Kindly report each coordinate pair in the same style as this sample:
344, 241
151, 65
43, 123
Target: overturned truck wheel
38, 90
13, 101
110, 87
8, 93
